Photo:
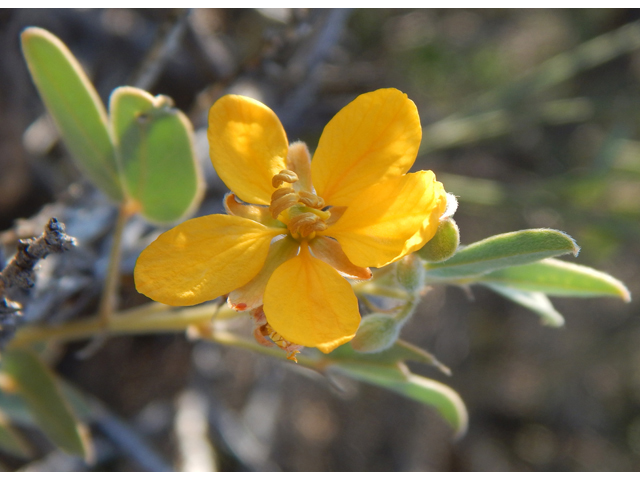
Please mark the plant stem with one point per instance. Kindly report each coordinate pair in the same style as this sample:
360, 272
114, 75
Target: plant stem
227, 338
372, 288
153, 318
109, 300
148, 319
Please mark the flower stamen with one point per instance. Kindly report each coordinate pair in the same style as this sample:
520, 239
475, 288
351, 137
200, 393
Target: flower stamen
263, 332
304, 224
301, 209
281, 200
285, 176
311, 200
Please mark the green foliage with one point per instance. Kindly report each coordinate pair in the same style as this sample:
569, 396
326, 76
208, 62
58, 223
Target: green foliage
555, 277
75, 107
387, 369
535, 301
149, 164
39, 388
435, 394
398, 353
11, 442
505, 250
155, 152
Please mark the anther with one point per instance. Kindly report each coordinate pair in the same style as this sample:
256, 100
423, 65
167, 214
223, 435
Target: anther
280, 204
306, 223
311, 200
285, 176
281, 192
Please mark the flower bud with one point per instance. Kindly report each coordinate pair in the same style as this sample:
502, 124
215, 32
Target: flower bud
377, 332
410, 273
444, 244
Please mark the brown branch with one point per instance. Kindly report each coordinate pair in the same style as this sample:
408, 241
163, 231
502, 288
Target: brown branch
19, 272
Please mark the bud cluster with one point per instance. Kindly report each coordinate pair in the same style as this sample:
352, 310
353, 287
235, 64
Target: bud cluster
379, 330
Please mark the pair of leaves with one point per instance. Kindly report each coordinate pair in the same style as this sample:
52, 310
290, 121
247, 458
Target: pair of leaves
517, 266
142, 154
38, 398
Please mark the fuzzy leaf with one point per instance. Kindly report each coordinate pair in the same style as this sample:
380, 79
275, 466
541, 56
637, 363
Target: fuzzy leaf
11, 442
534, 301
154, 147
557, 278
40, 390
401, 351
500, 251
74, 106
435, 394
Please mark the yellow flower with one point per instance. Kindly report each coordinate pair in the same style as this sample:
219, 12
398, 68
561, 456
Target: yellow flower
302, 225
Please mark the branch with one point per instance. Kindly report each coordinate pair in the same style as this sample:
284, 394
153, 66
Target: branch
20, 271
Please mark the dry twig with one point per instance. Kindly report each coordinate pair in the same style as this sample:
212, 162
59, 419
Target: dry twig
19, 272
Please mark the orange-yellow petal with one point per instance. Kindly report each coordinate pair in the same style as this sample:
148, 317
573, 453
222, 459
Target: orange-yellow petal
250, 296
375, 137
390, 219
309, 303
202, 259
248, 146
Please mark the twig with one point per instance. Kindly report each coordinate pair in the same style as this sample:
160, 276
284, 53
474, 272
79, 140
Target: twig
19, 272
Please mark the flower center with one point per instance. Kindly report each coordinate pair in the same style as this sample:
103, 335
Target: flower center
296, 205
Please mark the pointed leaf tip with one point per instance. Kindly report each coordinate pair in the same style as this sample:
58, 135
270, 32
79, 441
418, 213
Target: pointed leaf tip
535, 301
558, 278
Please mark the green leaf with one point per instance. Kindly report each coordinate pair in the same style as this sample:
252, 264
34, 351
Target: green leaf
154, 144
535, 301
558, 278
74, 106
400, 351
39, 388
500, 251
435, 394
11, 442
16, 409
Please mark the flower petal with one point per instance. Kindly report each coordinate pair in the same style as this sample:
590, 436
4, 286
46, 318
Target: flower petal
375, 137
309, 303
250, 296
329, 251
202, 259
390, 219
248, 146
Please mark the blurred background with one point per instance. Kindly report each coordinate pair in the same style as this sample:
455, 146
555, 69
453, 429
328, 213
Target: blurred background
531, 117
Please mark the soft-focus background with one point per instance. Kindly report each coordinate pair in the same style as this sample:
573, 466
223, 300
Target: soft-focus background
531, 117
